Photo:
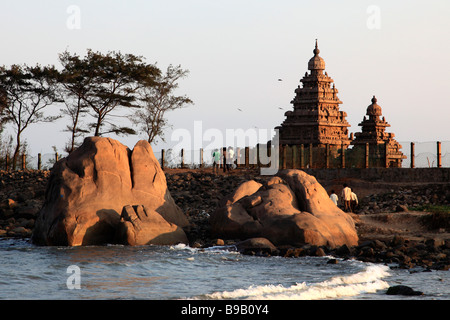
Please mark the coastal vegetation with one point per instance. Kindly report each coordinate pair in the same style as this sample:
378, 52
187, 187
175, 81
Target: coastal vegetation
95, 95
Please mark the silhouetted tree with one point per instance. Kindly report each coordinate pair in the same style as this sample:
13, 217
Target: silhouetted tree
4, 116
27, 91
157, 99
75, 83
103, 83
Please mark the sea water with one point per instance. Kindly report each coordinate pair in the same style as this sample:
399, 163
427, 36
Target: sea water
181, 272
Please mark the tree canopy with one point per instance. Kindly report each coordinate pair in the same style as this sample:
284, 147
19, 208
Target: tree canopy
103, 83
26, 92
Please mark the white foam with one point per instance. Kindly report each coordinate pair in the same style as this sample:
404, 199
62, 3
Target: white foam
366, 281
224, 250
180, 246
183, 248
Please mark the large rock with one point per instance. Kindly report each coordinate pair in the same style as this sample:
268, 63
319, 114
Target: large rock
142, 226
256, 245
87, 191
291, 208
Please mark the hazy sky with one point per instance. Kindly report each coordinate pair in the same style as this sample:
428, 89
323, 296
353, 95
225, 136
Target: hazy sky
237, 50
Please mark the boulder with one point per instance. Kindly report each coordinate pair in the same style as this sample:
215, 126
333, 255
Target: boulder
290, 208
403, 290
256, 245
142, 226
87, 191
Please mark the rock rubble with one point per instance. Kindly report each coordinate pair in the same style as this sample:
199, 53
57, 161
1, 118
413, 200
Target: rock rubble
405, 198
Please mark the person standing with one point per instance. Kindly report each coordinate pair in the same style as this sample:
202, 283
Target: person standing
224, 157
334, 197
346, 197
216, 160
230, 158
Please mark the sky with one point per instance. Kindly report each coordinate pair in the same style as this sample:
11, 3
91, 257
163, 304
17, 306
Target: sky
237, 50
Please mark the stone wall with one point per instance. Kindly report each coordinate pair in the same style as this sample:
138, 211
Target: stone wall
387, 175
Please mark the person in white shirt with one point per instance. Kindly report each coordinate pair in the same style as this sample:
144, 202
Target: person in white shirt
334, 197
230, 158
346, 197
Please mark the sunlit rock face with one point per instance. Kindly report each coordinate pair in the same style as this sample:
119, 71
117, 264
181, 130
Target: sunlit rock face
88, 190
291, 208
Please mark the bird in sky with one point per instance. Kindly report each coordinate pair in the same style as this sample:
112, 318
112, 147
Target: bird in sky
280, 79
239, 109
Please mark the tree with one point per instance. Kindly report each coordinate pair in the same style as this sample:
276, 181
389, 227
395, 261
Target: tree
4, 116
75, 82
156, 100
27, 91
3, 103
111, 82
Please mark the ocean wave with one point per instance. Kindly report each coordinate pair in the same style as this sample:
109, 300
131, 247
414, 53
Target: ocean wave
215, 249
367, 281
182, 247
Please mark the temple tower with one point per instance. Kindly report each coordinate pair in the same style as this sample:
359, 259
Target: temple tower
316, 118
373, 132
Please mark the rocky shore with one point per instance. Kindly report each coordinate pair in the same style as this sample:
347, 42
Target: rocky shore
394, 226
21, 197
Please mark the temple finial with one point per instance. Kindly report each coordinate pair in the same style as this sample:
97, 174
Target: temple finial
316, 50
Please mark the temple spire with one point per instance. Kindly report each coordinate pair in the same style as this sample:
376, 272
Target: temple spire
316, 118
316, 50
374, 100
316, 63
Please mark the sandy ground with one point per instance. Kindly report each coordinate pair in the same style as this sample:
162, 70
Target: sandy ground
384, 226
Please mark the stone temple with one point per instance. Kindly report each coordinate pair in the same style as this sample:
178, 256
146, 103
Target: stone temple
373, 132
317, 121
316, 118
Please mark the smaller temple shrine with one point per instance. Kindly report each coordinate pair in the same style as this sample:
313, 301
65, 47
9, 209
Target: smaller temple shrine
384, 148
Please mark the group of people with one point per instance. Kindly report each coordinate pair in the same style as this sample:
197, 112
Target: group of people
349, 199
227, 155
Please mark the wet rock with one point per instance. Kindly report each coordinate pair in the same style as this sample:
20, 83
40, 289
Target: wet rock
403, 290
256, 245
142, 226
319, 252
294, 252
343, 251
219, 242
332, 261
20, 232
